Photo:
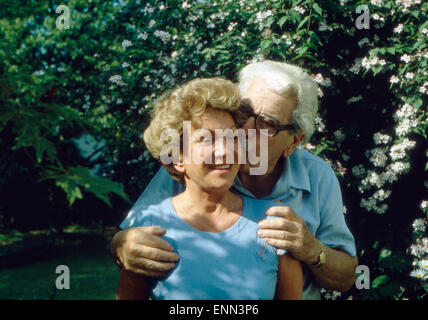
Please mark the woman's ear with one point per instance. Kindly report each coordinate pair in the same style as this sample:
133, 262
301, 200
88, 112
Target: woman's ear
179, 167
297, 138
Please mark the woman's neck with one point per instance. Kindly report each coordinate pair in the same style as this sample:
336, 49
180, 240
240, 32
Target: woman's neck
208, 211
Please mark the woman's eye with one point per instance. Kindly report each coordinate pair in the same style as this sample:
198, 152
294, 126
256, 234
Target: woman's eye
204, 140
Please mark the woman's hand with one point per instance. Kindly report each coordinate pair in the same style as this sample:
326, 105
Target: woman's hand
141, 250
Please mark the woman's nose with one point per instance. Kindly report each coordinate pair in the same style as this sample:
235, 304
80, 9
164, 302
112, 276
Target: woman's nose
219, 150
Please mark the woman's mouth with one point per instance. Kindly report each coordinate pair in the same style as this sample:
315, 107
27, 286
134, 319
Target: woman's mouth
221, 167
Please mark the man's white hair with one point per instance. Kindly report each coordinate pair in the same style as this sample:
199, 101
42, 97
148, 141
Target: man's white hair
286, 80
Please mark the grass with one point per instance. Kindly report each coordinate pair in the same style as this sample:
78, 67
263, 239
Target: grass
93, 275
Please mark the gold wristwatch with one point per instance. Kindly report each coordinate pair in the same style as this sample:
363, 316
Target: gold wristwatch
321, 259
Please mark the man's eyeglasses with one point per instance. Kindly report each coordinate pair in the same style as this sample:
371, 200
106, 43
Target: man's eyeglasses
263, 121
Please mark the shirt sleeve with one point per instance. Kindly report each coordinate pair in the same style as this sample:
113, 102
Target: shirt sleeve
333, 230
162, 186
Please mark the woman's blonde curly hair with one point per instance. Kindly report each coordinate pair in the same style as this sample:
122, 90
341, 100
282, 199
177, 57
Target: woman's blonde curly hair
187, 103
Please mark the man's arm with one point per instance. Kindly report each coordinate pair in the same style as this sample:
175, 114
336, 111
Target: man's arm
290, 232
338, 272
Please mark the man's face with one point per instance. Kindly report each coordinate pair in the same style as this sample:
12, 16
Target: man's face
264, 100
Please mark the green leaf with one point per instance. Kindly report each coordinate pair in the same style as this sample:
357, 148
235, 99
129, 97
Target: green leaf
384, 253
379, 281
71, 190
282, 20
317, 9
265, 44
301, 24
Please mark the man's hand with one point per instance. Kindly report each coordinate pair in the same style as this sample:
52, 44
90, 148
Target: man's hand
290, 232
141, 250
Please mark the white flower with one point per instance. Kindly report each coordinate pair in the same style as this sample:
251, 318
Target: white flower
231, 26
409, 75
299, 9
404, 127
419, 225
378, 157
164, 36
406, 110
407, 3
423, 264
398, 167
378, 17
399, 28
424, 204
319, 124
380, 138
126, 44
419, 274
186, 5
117, 79
406, 58
376, 2
381, 194
142, 36
394, 79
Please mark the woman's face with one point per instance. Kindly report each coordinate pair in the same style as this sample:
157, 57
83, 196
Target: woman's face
217, 176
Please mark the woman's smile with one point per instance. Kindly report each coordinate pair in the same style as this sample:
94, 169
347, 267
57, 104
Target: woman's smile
222, 168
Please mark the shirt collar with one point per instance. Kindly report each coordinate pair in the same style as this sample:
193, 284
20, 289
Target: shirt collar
295, 171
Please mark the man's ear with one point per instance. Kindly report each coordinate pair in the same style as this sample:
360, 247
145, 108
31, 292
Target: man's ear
297, 138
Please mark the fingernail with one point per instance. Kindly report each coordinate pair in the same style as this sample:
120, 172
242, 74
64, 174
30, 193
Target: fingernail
260, 233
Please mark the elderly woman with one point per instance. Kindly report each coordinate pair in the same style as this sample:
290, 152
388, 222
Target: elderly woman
212, 229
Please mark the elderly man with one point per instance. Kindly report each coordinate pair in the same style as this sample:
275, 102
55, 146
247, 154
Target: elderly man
310, 225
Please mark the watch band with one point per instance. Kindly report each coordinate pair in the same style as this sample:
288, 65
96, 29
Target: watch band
321, 259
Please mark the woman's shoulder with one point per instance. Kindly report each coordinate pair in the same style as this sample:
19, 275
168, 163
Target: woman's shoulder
153, 214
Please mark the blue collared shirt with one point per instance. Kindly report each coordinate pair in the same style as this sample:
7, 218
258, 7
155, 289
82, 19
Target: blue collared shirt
307, 185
